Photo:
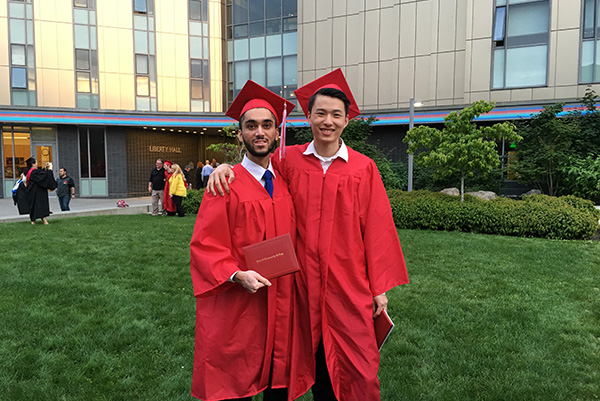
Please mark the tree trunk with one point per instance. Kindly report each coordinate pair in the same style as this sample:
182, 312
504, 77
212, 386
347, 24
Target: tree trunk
462, 188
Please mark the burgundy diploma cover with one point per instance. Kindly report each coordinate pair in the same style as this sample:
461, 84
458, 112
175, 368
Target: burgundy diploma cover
272, 258
383, 328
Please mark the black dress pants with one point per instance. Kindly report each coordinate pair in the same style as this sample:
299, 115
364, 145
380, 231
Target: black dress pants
322, 390
177, 200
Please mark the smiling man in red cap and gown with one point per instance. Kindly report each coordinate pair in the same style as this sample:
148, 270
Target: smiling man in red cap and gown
347, 242
252, 334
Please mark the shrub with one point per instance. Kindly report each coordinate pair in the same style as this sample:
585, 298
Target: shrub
191, 203
535, 216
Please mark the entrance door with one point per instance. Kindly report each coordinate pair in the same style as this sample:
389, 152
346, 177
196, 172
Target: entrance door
45, 154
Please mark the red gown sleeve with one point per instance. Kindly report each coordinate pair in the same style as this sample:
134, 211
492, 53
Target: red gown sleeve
211, 259
385, 261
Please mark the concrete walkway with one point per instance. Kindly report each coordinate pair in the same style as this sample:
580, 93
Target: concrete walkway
79, 207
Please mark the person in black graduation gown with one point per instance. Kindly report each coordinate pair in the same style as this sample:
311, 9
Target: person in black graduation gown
38, 182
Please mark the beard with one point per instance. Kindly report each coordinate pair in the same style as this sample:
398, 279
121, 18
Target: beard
250, 149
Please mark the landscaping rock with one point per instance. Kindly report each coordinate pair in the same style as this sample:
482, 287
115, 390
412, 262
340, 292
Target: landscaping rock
451, 191
484, 195
532, 192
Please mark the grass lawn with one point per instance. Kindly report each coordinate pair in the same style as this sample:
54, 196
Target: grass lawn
101, 308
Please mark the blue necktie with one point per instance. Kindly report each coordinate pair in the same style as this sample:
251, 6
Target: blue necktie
268, 177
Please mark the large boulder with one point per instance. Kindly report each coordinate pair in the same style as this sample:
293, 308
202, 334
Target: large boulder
484, 195
451, 191
532, 192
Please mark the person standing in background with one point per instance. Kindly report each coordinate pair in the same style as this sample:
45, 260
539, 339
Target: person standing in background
177, 189
156, 186
206, 171
65, 189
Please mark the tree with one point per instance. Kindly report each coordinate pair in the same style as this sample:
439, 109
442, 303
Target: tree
355, 136
547, 147
461, 147
233, 151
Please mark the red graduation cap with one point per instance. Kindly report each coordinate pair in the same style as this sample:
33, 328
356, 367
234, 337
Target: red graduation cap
336, 80
253, 96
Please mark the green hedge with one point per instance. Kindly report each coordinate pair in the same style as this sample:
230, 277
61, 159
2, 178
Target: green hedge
542, 216
565, 217
191, 203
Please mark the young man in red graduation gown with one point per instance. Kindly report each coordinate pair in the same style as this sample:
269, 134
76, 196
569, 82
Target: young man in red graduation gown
252, 334
347, 242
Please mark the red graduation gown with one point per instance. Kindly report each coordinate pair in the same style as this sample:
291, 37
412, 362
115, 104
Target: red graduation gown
238, 332
168, 203
348, 245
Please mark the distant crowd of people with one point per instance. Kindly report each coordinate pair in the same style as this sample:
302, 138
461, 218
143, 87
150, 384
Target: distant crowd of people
169, 183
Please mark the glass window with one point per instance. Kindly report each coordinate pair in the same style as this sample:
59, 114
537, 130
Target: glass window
205, 54
257, 72
80, 17
197, 89
141, 41
84, 101
240, 31
141, 64
196, 28
196, 68
82, 36
273, 47
142, 85
257, 28
140, 22
17, 31
83, 82
195, 47
257, 47
17, 54
274, 73
499, 23
588, 19
498, 78
290, 8
19, 77
587, 61
81, 3
290, 24
290, 43
273, 8
241, 74
240, 49
257, 10
84, 166
142, 103
526, 66
20, 98
82, 61
97, 160
16, 10
140, 6
520, 44
240, 11
273, 26
528, 24
290, 70
195, 10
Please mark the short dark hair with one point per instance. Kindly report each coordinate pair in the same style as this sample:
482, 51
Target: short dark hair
30, 162
331, 92
63, 169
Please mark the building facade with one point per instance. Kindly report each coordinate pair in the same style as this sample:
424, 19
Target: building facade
104, 87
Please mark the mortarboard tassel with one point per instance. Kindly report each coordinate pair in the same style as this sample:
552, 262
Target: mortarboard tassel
282, 143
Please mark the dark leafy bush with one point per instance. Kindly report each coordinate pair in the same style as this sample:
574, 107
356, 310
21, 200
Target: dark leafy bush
191, 203
535, 216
